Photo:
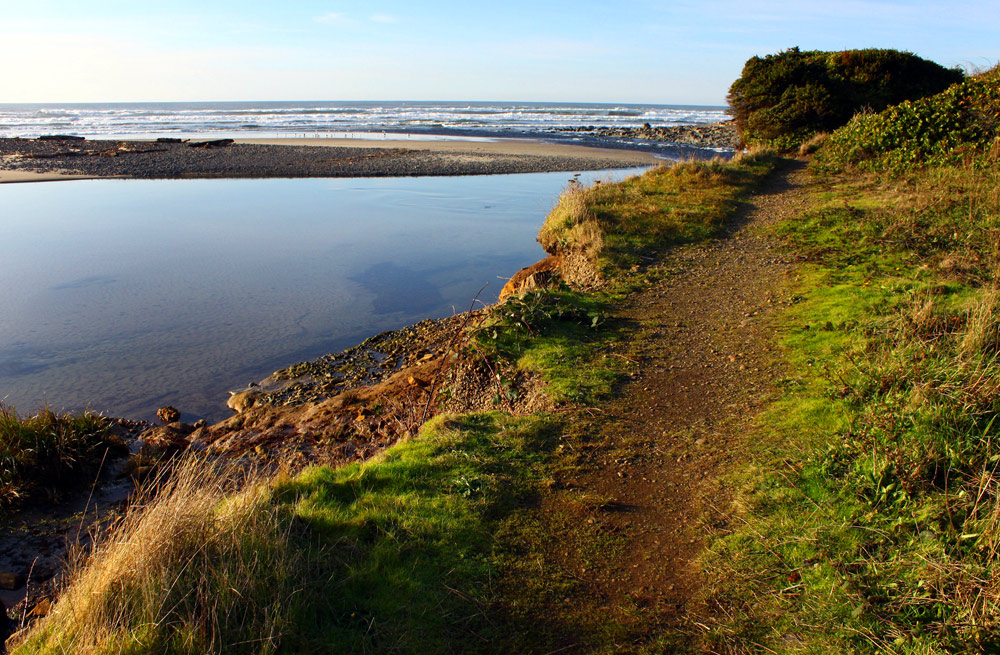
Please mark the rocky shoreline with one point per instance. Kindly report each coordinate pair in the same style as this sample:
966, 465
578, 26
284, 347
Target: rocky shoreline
175, 158
717, 135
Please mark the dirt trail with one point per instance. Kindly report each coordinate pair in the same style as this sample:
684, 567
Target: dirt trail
705, 368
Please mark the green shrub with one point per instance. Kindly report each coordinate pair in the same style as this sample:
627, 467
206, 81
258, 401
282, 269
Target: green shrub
962, 121
781, 100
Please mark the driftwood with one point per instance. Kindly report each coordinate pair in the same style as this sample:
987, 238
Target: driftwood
218, 143
61, 137
170, 139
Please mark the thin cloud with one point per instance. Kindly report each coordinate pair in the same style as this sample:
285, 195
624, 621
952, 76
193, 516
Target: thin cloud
384, 18
335, 18
552, 50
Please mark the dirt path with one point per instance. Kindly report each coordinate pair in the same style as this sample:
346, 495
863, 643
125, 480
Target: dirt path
705, 368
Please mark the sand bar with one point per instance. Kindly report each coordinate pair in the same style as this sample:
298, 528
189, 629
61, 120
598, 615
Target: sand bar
37, 160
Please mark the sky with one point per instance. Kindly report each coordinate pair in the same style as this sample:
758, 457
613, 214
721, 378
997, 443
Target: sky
626, 51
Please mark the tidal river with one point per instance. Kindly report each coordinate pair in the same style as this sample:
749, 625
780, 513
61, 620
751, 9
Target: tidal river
126, 295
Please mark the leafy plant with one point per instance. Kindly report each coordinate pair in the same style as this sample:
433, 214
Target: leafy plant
961, 123
781, 100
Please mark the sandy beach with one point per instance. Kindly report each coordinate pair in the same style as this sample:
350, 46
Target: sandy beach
33, 160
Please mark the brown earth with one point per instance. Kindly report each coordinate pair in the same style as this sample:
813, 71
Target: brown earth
653, 460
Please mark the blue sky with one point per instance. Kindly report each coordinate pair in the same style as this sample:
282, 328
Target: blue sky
669, 51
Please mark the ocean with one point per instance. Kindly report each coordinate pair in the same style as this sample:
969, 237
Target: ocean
267, 119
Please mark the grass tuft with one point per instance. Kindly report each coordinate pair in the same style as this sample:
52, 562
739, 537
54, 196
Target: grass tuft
46, 454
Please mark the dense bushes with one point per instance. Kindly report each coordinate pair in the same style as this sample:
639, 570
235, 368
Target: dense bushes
962, 121
783, 99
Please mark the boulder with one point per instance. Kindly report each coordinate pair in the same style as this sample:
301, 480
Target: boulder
538, 275
165, 441
168, 414
11, 581
241, 401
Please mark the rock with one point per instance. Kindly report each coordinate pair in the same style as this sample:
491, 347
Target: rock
11, 581
241, 401
168, 414
538, 275
165, 441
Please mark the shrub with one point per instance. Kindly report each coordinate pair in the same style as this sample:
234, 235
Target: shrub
783, 99
960, 122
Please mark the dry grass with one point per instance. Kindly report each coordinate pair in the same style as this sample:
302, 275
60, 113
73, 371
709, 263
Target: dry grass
982, 329
613, 226
812, 144
187, 569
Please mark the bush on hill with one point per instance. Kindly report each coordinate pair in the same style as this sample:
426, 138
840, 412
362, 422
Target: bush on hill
783, 99
960, 123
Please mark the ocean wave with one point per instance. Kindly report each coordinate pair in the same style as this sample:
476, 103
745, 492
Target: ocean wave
234, 118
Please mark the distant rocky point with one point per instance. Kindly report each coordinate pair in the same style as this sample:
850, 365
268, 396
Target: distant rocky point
715, 135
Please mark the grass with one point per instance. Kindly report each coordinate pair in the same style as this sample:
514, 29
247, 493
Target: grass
614, 225
869, 520
46, 454
393, 555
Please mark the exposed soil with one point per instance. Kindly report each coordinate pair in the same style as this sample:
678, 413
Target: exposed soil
704, 351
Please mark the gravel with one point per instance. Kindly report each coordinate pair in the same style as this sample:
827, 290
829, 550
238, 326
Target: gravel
145, 159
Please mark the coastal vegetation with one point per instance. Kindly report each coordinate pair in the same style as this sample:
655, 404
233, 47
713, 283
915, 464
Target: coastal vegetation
863, 514
871, 515
783, 99
46, 454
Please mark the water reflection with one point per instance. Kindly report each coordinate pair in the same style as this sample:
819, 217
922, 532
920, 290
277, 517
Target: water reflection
127, 295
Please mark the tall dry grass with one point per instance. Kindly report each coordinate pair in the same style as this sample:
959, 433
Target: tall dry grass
202, 564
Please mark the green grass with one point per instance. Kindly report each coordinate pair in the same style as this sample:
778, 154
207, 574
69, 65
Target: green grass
618, 223
392, 555
44, 455
561, 335
870, 520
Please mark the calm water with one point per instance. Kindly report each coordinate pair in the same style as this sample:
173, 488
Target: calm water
127, 295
